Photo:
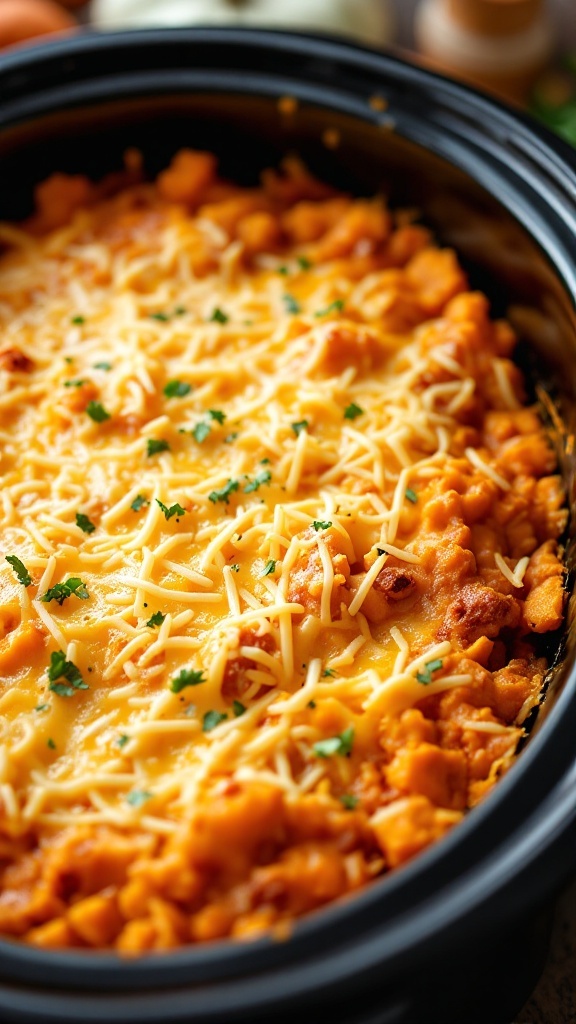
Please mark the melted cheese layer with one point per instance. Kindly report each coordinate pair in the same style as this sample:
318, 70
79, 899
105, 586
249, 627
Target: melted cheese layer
284, 450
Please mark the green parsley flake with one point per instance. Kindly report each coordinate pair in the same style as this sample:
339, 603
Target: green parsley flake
292, 305
218, 317
349, 801
78, 320
320, 524
201, 431
231, 437
138, 797
20, 569
177, 389
174, 510
156, 619
311, 704
122, 741
41, 707
180, 311
50, 743
60, 591
299, 427
352, 411
74, 383
155, 445
269, 568
103, 366
235, 567
238, 708
304, 263
218, 415
425, 677
162, 317
97, 412
328, 673
224, 493
262, 478
58, 669
139, 502
186, 677
411, 495
283, 270
335, 307
84, 523
212, 719
341, 744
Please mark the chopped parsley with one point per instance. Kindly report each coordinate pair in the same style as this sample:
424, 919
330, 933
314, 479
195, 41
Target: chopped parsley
60, 591
78, 320
20, 569
224, 493
352, 411
186, 677
50, 743
155, 445
411, 495
341, 744
269, 568
328, 673
138, 797
177, 389
299, 427
162, 317
74, 383
320, 524
311, 704
235, 567
238, 708
97, 412
425, 677
103, 366
218, 316
212, 719
58, 669
304, 263
84, 523
231, 437
122, 741
283, 270
335, 307
262, 478
218, 415
348, 801
41, 707
292, 305
180, 311
139, 502
174, 510
201, 431
264, 462
156, 619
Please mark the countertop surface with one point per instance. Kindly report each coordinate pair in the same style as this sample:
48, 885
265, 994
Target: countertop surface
554, 999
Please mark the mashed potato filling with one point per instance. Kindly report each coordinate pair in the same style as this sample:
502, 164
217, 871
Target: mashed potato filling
277, 533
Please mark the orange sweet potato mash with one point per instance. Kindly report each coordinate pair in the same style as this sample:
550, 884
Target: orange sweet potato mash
279, 536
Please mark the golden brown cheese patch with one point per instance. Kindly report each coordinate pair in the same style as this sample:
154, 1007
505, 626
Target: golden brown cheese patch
277, 532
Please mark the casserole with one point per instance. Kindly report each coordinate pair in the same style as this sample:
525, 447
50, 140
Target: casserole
469, 206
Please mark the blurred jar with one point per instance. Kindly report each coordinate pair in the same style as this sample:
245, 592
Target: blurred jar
367, 20
500, 45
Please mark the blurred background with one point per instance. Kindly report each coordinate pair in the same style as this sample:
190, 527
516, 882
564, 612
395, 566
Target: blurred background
523, 50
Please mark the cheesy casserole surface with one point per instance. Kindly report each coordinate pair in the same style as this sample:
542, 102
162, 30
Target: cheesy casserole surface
277, 532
